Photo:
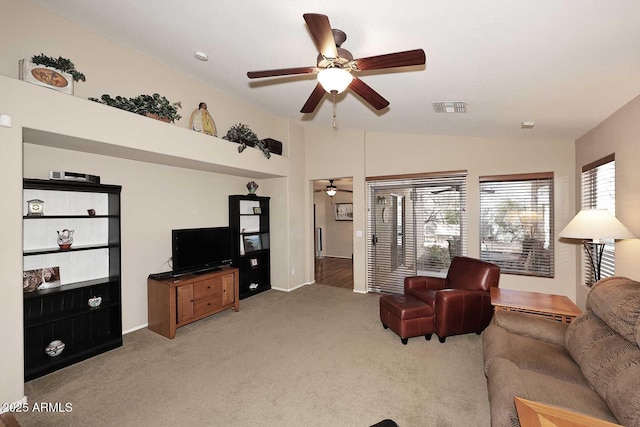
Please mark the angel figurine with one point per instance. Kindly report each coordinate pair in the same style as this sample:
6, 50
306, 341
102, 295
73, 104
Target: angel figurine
201, 121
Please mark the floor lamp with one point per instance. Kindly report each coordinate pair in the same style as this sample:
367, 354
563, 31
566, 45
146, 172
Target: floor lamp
592, 226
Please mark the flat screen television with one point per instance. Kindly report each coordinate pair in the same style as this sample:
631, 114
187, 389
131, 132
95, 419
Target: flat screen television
200, 249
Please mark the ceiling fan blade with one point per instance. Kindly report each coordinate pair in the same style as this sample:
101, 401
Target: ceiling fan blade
314, 99
281, 72
371, 96
321, 33
390, 60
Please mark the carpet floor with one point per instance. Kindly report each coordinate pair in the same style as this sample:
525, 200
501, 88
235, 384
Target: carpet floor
317, 356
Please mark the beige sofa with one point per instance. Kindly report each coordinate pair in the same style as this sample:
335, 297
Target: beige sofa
590, 366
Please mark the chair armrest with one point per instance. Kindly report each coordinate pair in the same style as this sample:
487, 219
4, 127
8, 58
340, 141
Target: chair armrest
447, 298
423, 282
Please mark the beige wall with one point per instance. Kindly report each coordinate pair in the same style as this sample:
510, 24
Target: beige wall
619, 134
333, 153
337, 236
155, 200
111, 68
376, 154
11, 330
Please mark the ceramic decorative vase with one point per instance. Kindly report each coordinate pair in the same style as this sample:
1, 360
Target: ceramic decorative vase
252, 187
54, 348
65, 238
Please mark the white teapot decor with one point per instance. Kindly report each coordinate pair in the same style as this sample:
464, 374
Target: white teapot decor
65, 238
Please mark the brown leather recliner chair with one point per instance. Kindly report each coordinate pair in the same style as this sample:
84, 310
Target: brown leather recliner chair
461, 302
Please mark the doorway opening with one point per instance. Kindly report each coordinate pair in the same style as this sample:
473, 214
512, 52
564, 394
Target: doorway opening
333, 232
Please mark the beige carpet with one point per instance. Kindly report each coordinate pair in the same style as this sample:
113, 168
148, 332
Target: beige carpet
317, 356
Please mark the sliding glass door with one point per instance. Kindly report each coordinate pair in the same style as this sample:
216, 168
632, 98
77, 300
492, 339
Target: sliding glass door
415, 227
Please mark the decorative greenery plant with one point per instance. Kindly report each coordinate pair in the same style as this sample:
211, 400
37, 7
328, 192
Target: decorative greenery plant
144, 105
61, 64
243, 135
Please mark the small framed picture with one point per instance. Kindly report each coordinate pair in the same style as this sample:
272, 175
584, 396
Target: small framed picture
344, 211
257, 210
253, 262
252, 243
40, 278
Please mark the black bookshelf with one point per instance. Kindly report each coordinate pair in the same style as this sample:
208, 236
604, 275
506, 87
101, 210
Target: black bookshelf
63, 313
251, 242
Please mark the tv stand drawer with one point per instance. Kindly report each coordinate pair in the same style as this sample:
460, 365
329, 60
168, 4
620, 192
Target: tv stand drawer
207, 288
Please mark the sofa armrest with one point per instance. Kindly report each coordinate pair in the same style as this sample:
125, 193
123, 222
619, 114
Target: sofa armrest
532, 326
423, 282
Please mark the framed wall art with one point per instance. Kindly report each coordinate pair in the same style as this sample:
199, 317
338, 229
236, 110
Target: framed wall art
344, 212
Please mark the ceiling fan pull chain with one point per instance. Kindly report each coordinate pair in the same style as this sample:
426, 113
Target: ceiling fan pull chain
334, 109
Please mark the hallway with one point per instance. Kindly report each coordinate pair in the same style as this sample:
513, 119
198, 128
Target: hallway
336, 272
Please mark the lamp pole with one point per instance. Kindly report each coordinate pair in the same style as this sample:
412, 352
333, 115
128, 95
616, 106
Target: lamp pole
594, 249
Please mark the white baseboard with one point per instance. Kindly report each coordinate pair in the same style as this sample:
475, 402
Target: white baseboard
360, 292
337, 256
293, 289
135, 328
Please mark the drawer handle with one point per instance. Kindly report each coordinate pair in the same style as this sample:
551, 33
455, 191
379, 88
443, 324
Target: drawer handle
208, 303
208, 287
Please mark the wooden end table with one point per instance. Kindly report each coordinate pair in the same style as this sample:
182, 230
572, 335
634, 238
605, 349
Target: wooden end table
536, 414
554, 307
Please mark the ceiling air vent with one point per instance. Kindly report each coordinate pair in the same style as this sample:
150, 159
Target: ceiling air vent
450, 106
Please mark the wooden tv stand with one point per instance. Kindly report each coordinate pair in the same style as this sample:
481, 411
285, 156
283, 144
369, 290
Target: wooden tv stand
178, 301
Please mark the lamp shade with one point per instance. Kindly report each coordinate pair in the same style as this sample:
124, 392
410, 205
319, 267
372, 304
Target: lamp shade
595, 224
334, 79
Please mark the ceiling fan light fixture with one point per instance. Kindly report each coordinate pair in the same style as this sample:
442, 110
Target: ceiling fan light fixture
331, 189
335, 79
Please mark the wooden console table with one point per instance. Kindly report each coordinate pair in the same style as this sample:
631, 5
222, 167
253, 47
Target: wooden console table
555, 307
178, 301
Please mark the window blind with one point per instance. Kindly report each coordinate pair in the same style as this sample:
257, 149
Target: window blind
599, 191
516, 223
416, 225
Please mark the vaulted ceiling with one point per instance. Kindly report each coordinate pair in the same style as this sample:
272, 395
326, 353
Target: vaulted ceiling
564, 64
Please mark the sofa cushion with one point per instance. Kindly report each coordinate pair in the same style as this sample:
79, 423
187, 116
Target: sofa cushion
532, 326
616, 301
530, 354
505, 381
610, 363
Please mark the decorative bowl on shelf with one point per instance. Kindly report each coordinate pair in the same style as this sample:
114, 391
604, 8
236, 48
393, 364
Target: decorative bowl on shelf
95, 302
54, 348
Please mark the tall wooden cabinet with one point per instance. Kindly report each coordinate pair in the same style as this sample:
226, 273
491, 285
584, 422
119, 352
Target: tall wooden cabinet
249, 222
90, 268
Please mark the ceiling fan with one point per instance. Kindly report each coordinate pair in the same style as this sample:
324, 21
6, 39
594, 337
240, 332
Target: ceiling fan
332, 190
335, 65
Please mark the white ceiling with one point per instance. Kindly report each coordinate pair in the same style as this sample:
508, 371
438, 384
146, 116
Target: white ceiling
565, 64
